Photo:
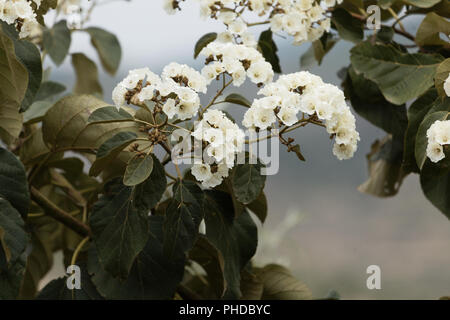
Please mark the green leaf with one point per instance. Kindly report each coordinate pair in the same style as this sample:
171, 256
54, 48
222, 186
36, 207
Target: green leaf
36, 111
110, 149
238, 99
87, 76
203, 42
435, 182
259, 207
236, 238
442, 73
11, 278
348, 27
57, 41
251, 286
247, 181
430, 28
109, 114
422, 140
153, 275
48, 90
57, 289
385, 168
28, 54
422, 3
108, 48
65, 125
183, 216
148, 194
269, 50
13, 86
416, 113
13, 182
120, 229
211, 259
138, 170
385, 35
280, 284
400, 76
13, 238
369, 103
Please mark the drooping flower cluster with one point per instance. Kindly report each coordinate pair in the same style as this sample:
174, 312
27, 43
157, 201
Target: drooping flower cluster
176, 90
21, 14
438, 136
223, 139
305, 20
303, 92
237, 60
447, 86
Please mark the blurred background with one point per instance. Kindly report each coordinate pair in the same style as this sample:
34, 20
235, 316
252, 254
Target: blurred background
318, 225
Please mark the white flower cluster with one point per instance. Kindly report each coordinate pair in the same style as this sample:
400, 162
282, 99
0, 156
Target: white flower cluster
176, 90
447, 86
72, 9
305, 20
237, 60
306, 93
438, 136
223, 139
21, 14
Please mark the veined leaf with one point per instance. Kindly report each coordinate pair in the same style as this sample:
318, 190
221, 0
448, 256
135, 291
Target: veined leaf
238, 99
13, 86
349, 28
236, 238
269, 50
430, 28
138, 170
109, 114
400, 76
183, 216
247, 181
152, 276
442, 73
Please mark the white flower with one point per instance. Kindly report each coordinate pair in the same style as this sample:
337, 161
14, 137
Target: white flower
214, 117
435, 152
239, 75
344, 151
263, 118
288, 115
118, 95
201, 172
260, 72
225, 37
227, 17
214, 137
237, 27
249, 40
169, 108
169, 7
447, 86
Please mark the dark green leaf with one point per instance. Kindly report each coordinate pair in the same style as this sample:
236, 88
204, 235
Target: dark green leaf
56, 41
109, 114
11, 278
400, 76
87, 75
120, 229
349, 28
259, 207
435, 182
430, 28
108, 48
110, 149
48, 90
269, 50
154, 275
203, 42
416, 113
247, 181
36, 111
236, 238
238, 99
442, 73
13, 182
183, 216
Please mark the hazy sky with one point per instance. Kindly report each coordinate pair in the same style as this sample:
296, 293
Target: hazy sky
341, 231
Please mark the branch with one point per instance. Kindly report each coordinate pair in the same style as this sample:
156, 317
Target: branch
60, 215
